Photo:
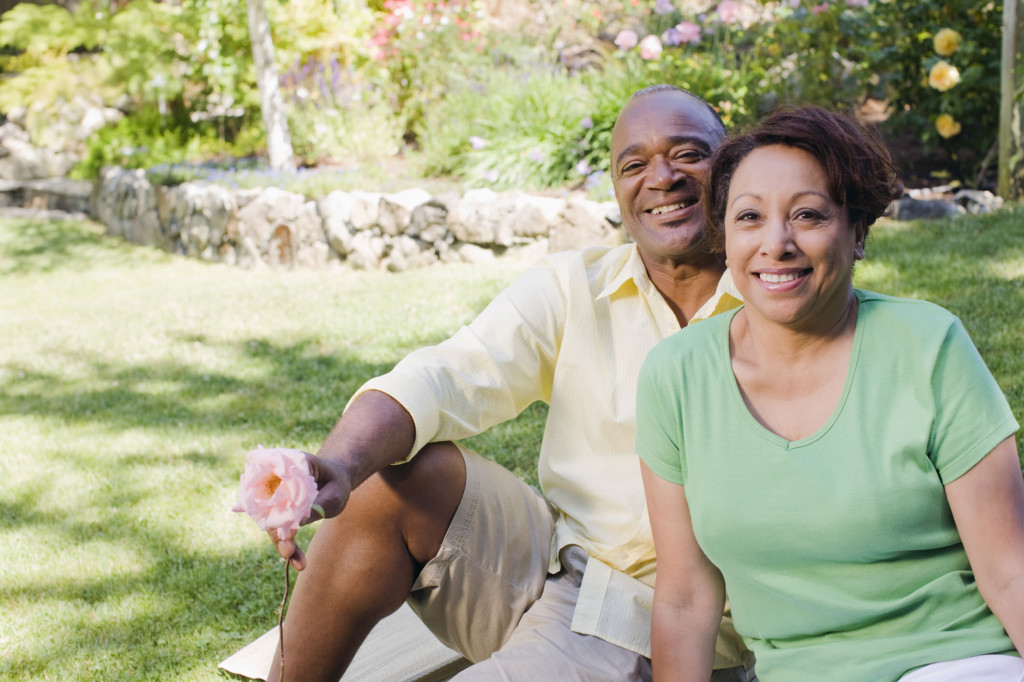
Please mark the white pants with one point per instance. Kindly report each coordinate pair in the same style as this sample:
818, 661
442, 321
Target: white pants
991, 668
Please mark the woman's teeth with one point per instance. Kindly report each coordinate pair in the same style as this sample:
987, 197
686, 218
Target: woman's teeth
775, 279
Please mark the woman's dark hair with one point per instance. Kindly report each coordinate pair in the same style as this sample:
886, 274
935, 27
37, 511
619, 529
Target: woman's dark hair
861, 175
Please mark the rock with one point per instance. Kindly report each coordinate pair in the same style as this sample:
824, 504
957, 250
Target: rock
396, 210
368, 248
365, 211
429, 220
408, 253
977, 202
204, 219
909, 208
284, 225
535, 216
335, 210
582, 223
476, 219
22, 161
471, 253
17, 115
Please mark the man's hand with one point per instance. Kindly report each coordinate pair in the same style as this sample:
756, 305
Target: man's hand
333, 490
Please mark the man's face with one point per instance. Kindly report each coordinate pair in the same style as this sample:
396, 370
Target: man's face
660, 148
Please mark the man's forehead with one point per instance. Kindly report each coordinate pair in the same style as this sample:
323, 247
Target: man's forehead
663, 116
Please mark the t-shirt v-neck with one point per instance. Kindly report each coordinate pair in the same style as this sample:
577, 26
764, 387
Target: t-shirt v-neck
769, 435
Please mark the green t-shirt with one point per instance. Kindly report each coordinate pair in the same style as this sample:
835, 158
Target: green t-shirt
839, 551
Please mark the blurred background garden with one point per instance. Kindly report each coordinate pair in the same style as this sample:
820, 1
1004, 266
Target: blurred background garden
133, 380
498, 93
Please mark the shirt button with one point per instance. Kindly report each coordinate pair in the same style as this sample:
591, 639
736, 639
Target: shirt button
623, 555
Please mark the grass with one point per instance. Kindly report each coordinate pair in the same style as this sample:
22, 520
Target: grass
132, 382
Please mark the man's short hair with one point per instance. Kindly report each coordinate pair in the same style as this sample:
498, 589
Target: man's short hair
665, 87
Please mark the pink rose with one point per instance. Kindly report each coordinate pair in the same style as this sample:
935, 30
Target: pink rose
728, 11
650, 47
276, 489
626, 40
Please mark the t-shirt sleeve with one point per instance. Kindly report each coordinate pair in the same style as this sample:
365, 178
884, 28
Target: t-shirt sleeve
658, 418
972, 415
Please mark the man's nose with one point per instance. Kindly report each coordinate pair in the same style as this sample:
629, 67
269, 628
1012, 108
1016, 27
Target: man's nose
663, 174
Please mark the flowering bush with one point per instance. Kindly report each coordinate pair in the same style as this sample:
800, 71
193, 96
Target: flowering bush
938, 66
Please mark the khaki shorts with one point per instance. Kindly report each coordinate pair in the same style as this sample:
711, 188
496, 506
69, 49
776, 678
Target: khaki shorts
492, 563
488, 595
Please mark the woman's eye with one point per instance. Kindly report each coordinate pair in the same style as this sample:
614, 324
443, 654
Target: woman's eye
808, 215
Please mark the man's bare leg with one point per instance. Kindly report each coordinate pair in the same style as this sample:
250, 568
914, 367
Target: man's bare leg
361, 564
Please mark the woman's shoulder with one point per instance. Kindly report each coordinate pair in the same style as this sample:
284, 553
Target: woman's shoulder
912, 311
699, 338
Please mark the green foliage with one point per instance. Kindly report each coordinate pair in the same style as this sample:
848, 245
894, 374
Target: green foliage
518, 130
335, 119
148, 139
813, 53
902, 52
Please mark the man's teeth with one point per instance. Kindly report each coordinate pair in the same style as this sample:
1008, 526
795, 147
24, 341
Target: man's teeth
669, 207
775, 279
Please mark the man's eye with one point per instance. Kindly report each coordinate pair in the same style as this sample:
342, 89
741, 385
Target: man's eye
690, 156
632, 167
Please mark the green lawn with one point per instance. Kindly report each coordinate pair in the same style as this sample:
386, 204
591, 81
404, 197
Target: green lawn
132, 382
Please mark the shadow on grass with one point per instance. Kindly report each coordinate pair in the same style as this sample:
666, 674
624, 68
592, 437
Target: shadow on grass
174, 605
36, 245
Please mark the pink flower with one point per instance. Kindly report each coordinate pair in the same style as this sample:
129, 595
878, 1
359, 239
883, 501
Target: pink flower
689, 32
857, 3
650, 47
276, 489
477, 142
818, 9
663, 7
728, 11
627, 39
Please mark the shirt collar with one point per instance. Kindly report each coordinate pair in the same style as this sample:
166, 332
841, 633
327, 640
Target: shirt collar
630, 268
726, 296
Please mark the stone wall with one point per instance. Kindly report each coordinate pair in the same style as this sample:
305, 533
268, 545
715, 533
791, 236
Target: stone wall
366, 230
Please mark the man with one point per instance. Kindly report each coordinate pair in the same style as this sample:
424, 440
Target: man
529, 587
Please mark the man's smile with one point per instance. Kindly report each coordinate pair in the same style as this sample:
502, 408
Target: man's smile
658, 210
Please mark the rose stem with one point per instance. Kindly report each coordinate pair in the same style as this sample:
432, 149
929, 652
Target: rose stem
280, 613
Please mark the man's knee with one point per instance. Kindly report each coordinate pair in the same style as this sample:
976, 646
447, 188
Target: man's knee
423, 493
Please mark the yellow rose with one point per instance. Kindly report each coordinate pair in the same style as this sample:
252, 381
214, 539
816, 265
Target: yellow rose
947, 41
943, 76
947, 125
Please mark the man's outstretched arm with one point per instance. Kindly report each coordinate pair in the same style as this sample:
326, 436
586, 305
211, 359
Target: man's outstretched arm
373, 432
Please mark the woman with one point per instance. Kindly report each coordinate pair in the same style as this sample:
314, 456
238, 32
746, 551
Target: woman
840, 461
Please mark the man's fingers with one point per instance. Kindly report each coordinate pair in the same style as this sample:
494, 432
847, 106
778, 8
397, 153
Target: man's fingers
298, 559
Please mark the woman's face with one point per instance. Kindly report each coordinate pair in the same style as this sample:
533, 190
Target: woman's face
789, 246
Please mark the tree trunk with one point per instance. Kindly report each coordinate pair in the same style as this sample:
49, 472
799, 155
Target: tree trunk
1011, 108
279, 143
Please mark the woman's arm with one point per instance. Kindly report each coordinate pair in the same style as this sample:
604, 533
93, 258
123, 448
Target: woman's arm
988, 507
689, 593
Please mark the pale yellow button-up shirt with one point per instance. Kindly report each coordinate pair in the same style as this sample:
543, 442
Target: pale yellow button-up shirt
572, 331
